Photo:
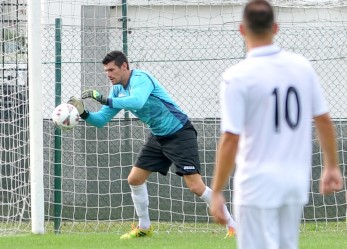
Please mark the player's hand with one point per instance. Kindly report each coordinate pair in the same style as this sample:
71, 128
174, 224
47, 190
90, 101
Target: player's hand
94, 94
331, 180
77, 103
217, 208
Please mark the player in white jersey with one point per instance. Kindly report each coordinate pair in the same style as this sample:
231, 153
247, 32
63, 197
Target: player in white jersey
268, 101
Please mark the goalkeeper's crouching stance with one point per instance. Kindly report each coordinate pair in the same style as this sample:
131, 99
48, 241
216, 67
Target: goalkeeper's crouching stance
173, 138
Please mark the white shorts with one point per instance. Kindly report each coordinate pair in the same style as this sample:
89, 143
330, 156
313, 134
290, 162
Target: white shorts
267, 228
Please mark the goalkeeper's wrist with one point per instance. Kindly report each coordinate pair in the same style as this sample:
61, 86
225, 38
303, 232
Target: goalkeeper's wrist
103, 100
85, 114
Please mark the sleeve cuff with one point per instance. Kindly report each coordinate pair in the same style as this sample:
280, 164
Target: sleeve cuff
109, 102
84, 115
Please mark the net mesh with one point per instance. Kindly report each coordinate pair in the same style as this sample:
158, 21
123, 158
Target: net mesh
14, 130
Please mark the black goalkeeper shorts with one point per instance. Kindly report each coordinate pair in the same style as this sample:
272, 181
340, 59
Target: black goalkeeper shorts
180, 148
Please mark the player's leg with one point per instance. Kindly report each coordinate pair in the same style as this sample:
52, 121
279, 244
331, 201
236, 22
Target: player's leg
182, 149
150, 159
290, 216
139, 194
196, 185
258, 229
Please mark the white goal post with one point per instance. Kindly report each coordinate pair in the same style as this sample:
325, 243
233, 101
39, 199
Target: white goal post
36, 116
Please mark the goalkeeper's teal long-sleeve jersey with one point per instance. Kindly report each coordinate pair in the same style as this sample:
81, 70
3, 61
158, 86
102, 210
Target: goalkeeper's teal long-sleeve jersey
146, 99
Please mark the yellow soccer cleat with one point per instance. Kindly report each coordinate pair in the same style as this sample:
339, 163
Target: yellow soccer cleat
137, 232
231, 233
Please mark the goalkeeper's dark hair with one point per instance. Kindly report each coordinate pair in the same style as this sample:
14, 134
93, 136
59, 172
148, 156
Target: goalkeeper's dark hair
117, 57
258, 16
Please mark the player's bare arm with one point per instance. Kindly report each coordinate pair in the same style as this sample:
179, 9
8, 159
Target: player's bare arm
331, 180
225, 164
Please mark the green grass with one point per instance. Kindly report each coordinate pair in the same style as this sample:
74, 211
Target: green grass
309, 239
323, 239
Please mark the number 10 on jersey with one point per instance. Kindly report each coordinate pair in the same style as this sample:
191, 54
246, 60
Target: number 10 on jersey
291, 95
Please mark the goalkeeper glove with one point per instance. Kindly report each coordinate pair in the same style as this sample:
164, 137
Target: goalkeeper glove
79, 106
94, 94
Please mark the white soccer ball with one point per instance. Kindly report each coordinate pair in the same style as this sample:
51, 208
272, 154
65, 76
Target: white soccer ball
65, 116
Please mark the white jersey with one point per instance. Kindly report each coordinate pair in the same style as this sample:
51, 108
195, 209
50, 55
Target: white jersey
269, 99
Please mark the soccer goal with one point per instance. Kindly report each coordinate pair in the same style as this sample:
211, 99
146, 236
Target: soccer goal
186, 45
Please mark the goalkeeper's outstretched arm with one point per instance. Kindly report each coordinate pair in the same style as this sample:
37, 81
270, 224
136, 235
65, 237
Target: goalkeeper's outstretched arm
97, 119
140, 91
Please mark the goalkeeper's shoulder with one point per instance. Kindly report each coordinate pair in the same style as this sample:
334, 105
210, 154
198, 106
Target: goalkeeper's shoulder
139, 76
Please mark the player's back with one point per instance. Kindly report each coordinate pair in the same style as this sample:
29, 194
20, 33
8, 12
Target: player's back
275, 145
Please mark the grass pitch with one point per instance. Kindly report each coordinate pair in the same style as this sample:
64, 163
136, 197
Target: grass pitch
309, 239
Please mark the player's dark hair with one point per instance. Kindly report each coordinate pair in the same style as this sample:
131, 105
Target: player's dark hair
258, 16
117, 57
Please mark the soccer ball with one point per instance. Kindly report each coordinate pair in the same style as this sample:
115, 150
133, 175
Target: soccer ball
65, 116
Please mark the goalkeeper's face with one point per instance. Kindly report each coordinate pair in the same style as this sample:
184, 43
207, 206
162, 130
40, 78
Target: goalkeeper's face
116, 74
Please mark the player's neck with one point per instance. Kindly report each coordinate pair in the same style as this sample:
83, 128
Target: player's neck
255, 42
253, 45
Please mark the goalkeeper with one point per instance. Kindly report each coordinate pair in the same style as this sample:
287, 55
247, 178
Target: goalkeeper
173, 138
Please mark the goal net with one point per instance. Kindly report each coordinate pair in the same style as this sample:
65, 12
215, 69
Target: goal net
186, 45
14, 129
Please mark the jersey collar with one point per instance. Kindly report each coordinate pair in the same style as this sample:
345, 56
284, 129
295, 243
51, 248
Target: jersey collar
126, 86
264, 51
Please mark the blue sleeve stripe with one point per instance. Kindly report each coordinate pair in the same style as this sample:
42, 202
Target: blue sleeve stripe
182, 117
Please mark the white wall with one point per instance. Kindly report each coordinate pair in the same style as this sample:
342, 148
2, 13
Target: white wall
187, 47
